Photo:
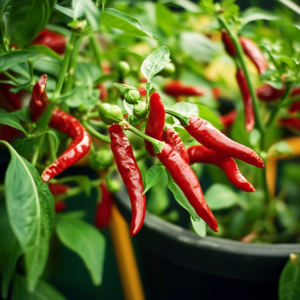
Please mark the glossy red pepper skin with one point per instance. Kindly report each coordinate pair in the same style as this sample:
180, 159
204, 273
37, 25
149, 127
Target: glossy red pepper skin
130, 174
80, 146
213, 139
228, 119
104, 208
171, 137
267, 93
247, 100
52, 40
176, 88
188, 182
228, 44
58, 188
60, 206
39, 100
255, 55
200, 154
156, 121
292, 123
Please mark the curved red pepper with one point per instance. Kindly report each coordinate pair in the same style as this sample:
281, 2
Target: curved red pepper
104, 208
229, 118
188, 182
39, 100
228, 44
176, 88
130, 174
248, 105
52, 40
255, 55
171, 137
200, 154
267, 93
155, 122
80, 146
213, 139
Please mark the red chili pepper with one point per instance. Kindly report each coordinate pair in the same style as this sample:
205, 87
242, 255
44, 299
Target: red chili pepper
103, 92
81, 144
155, 122
60, 206
14, 100
58, 188
188, 182
213, 139
52, 40
39, 100
255, 55
171, 137
104, 207
228, 44
200, 154
130, 174
296, 105
229, 118
142, 91
248, 105
267, 93
216, 92
177, 88
8, 133
290, 123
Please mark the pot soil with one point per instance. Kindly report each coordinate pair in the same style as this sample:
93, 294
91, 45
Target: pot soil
181, 265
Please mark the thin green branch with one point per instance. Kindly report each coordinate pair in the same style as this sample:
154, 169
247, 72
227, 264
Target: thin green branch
95, 133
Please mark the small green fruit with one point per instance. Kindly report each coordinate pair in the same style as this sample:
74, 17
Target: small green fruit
113, 186
110, 114
140, 110
123, 68
132, 96
168, 70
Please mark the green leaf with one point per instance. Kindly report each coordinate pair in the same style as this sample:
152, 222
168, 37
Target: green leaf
117, 19
220, 196
198, 46
199, 227
238, 131
45, 50
10, 120
86, 241
21, 87
206, 114
185, 4
15, 57
42, 291
10, 251
165, 19
124, 88
92, 14
291, 62
153, 176
279, 148
155, 62
30, 207
66, 11
289, 287
256, 13
35, 14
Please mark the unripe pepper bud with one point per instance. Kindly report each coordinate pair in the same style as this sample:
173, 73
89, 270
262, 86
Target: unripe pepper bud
101, 159
140, 110
132, 96
123, 68
168, 70
113, 185
110, 114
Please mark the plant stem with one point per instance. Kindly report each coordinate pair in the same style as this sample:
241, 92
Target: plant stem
276, 109
52, 147
242, 61
94, 114
12, 78
37, 151
100, 124
30, 63
96, 49
95, 133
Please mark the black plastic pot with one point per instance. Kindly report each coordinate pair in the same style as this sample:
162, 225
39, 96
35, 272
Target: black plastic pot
181, 265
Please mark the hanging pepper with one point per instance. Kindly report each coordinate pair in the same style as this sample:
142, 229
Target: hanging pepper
58, 188
229, 118
130, 174
176, 88
213, 139
52, 40
60, 206
267, 93
80, 146
200, 154
188, 182
39, 100
295, 92
155, 122
228, 44
171, 137
247, 100
255, 55
292, 123
103, 210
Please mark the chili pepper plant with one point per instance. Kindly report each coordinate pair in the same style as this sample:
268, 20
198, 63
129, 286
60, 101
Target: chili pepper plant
141, 101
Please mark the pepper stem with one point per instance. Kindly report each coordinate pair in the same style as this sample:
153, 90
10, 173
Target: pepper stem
184, 120
157, 145
95, 133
